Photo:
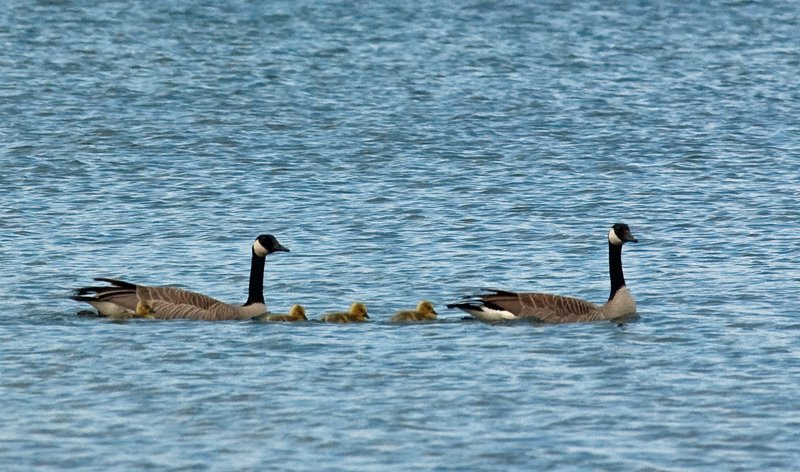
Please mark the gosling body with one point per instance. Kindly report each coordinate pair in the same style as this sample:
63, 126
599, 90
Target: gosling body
423, 312
296, 313
356, 314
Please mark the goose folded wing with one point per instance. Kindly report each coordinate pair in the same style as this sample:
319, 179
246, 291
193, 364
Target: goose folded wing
171, 311
175, 296
543, 306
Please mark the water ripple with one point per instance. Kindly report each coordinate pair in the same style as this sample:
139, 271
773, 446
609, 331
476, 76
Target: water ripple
402, 152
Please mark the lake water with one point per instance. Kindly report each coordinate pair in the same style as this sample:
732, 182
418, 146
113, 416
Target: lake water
402, 152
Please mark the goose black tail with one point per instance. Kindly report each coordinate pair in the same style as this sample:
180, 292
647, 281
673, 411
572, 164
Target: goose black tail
117, 283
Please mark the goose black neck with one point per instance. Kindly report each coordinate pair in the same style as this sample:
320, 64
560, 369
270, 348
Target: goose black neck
255, 293
615, 268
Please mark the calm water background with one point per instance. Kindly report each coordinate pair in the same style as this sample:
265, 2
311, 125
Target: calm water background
401, 152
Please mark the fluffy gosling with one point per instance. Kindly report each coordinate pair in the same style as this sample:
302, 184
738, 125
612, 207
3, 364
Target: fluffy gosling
424, 312
296, 313
356, 314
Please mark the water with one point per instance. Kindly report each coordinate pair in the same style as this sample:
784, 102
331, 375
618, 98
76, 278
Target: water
401, 152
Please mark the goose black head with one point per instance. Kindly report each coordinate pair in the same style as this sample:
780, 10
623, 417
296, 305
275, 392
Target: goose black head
621, 234
267, 244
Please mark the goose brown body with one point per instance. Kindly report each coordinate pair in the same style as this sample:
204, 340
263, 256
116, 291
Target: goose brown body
496, 305
550, 308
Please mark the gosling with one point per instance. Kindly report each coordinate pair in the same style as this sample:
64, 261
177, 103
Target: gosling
424, 312
296, 313
356, 314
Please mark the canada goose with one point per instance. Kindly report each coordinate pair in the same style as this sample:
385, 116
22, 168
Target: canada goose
356, 314
296, 313
124, 298
504, 305
424, 312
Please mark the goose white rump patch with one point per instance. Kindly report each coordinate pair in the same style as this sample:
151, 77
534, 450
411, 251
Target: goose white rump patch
110, 308
488, 314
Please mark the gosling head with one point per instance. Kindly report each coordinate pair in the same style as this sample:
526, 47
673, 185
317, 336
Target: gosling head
426, 308
621, 234
358, 310
143, 309
297, 311
267, 244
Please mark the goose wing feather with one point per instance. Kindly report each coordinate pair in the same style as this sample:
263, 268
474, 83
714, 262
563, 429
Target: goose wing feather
405, 316
543, 306
124, 298
166, 310
117, 283
163, 302
128, 294
175, 296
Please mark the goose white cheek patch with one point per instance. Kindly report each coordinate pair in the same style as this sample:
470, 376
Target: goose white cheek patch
613, 238
259, 249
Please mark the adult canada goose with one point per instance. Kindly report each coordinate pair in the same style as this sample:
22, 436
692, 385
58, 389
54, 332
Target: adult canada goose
126, 299
504, 305
424, 312
356, 314
296, 313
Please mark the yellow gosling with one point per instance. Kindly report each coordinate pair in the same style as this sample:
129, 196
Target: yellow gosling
424, 312
356, 314
296, 313
143, 309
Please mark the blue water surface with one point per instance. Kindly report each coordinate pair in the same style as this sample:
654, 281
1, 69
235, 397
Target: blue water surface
402, 151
